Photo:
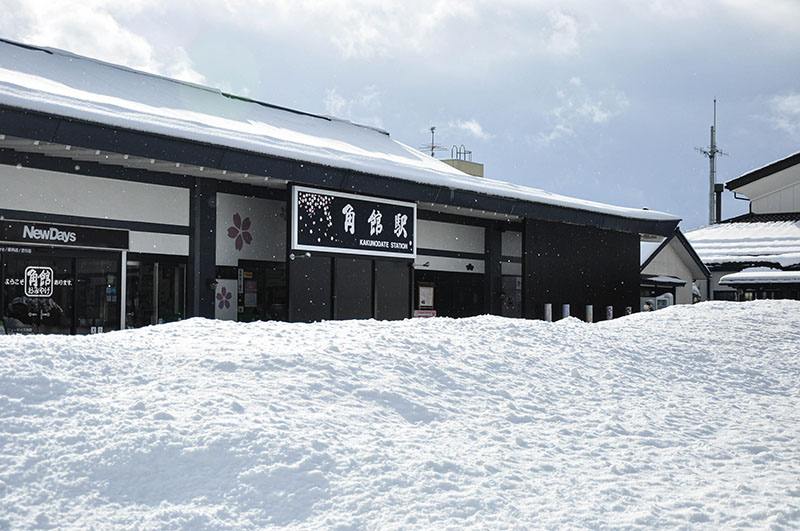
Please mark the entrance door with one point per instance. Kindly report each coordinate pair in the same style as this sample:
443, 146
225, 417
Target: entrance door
97, 298
37, 294
156, 293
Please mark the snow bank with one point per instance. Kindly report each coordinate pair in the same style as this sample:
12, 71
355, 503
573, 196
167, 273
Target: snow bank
686, 416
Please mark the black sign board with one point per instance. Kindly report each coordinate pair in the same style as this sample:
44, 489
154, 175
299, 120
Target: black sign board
339, 222
62, 235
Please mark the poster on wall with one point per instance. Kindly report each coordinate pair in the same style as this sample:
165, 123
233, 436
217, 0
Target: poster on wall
339, 222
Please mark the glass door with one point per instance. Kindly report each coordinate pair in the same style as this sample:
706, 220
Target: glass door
156, 293
97, 300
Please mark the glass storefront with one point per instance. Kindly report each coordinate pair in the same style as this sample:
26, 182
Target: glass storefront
59, 291
263, 295
156, 292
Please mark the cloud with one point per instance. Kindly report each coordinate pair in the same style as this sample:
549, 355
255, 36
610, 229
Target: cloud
471, 127
363, 108
576, 108
785, 113
563, 39
92, 28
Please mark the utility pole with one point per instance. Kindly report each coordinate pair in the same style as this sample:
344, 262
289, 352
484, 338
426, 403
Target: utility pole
711, 153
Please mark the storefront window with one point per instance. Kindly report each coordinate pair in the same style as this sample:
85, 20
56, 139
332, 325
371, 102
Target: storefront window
37, 294
264, 294
156, 293
58, 291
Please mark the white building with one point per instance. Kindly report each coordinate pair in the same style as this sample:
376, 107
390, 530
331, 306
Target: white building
671, 272
757, 255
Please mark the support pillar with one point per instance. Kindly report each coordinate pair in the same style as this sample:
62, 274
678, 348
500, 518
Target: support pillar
493, 281
201, 267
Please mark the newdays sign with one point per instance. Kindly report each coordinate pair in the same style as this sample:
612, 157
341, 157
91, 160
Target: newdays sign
53, 235
62, 235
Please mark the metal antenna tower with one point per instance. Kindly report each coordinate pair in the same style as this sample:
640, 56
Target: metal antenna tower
712, 153
433, 146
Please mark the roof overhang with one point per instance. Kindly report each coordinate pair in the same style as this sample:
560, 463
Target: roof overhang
132, 148
739, 184
661, 280
760, 277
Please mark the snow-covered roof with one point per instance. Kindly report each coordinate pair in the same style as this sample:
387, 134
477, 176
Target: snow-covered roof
777, 242
761, 276
663, 279
63, 84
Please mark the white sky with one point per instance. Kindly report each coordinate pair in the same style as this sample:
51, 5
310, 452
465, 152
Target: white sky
597, 100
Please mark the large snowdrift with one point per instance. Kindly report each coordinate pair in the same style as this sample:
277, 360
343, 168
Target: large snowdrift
686, 416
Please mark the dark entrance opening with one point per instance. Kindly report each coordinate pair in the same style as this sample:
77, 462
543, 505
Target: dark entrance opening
455, 294
264, 293
156, 290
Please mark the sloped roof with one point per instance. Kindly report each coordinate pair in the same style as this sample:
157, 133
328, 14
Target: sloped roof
648, 251
62, 84
775, 242
764, 171
761, 276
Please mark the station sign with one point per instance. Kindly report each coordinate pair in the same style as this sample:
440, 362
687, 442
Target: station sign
338, 222
62, 235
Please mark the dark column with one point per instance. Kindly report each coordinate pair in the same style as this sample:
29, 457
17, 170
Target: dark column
310, 279
201, 269
352, 288
391, 280
493, 272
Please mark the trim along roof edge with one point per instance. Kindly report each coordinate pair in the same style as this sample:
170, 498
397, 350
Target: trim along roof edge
69, 131
764, 171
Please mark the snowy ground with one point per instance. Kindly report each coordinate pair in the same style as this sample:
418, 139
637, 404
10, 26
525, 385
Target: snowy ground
686, 417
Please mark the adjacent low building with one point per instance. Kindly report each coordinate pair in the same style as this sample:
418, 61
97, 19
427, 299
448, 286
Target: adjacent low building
129, 199
671, 272
757, 255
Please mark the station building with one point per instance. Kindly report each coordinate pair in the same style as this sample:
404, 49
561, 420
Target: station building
129, 199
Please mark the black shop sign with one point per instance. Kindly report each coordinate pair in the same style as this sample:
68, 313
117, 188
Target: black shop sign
62, 235
339, 222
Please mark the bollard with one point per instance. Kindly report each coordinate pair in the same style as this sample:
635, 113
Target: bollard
565, 311
548, 312
589, 313
609, 312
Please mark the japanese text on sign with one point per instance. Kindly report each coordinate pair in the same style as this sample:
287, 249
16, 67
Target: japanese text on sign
340, 222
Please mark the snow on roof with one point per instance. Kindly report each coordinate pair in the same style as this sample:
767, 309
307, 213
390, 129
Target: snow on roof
60, 83
761, 277
664, 279
777, 242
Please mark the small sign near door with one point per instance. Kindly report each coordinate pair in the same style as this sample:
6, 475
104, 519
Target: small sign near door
250, 293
